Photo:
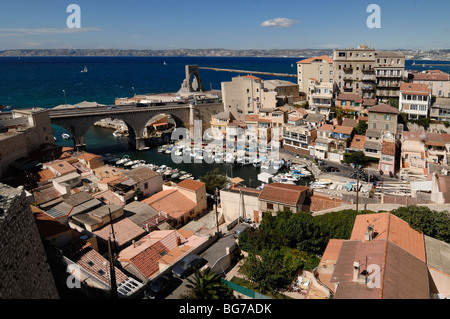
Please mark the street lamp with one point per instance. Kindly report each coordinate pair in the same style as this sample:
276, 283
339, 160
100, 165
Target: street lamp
134, 91
65, 97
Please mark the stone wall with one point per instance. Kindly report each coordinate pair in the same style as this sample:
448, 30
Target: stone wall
25, 273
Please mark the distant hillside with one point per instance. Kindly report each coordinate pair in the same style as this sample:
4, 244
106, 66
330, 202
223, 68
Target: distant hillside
166, 53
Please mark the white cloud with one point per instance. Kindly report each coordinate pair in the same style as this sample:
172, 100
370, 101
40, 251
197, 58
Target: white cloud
330, 46
279, 23
40, 31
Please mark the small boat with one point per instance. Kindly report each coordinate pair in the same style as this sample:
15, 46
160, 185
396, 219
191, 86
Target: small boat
117, 134
84, 70
266, 165
277, 165
130, 163
175, 175
65, 136
257, 162
162, 148
229, 158
185, 176
169, 150
164, 63
123, 160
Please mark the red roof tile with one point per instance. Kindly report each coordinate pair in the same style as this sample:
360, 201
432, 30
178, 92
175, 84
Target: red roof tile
415, 88
282, 193
325, 58
191, 184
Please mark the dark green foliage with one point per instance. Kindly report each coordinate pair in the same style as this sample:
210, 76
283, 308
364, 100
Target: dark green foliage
214, 180
432, 223
208, 285
361, 128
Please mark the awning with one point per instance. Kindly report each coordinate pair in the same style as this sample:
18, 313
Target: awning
236, 180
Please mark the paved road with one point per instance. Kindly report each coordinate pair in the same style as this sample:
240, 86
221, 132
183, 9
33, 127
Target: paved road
211, 254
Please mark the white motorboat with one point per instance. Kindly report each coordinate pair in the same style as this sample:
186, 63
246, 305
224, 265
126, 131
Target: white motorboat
185, 176
65, 136
123, 160
266, 165
277, 165
117, 134
229, 158
131, 163
257, 162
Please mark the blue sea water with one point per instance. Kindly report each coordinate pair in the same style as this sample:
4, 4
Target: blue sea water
39, 82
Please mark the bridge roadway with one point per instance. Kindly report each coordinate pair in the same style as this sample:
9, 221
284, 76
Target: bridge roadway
285, 75
77, 121
111, 109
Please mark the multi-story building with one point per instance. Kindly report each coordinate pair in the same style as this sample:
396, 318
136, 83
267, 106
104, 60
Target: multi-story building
23, 131
438, 80
246, 95
440, 110
320, 97
218, 125
299, 138
287, 92
389, 72
389, 158
320, 68
354, 70
415, 100
413, 158
385, 118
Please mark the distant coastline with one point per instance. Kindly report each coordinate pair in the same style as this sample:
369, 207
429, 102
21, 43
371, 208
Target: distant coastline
436, 55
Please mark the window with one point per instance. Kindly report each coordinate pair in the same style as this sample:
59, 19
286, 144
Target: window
374, 125
269, 206
387, 127
374, 116
387, 117
146, 186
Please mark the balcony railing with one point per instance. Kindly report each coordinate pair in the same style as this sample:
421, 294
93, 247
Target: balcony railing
347, 69
370, 70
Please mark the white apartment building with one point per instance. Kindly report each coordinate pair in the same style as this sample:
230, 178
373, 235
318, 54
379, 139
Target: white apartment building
320, 68
320, 97
415, 100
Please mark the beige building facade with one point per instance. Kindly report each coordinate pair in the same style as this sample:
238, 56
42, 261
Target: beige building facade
320, 68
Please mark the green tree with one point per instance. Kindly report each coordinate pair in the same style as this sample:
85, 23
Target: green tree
432, 223
214, 180
272, 270
208, 285
358, 158
361, 128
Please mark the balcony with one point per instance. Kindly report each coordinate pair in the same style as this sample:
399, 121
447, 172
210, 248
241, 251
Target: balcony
367, 87
348, 69
369, 78
370, 70
389, 75
387, 85
348, 88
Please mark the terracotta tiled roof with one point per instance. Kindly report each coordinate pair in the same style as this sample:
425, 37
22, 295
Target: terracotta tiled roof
147, 261
384, 108
358, 142
171, 202
326, 127
45, 174
325, 58
48, 226
432, 76
88, 156
174, 255
141, 174
388, 226
343, 129
415, 88
331, 253
388, 148
252, 118
62, 167
350, 122
350, 97
191, 184
282, 193
124, 231
251, 77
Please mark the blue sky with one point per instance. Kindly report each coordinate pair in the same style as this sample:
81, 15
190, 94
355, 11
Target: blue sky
232, 24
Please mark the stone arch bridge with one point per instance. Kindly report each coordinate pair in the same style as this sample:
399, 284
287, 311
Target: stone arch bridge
77, 121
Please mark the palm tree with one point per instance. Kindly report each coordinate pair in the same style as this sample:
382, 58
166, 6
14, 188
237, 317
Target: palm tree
208, 285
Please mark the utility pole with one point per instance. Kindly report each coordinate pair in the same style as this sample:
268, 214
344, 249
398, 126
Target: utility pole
357, 191
112, 271
217, 217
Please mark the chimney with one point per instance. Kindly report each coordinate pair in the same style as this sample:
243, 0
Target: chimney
368, 236
134, 243
356, 267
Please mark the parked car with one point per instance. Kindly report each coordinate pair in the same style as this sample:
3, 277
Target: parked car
330, 169
159, 287
241, 228
188, 265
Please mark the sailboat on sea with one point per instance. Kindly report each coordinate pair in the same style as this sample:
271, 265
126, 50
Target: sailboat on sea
84, 70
